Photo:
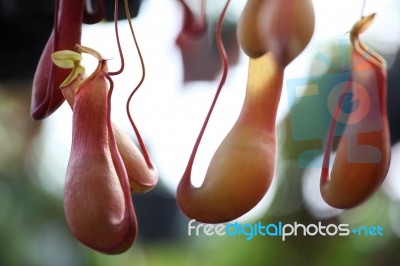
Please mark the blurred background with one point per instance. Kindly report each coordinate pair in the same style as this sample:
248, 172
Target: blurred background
182, 75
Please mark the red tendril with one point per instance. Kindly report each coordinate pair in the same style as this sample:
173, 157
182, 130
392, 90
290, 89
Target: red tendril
137, 133
121, 55
139, 137
114, 150
325, 177
224, 61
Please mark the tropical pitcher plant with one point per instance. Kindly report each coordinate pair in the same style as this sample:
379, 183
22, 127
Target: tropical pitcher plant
106, 166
